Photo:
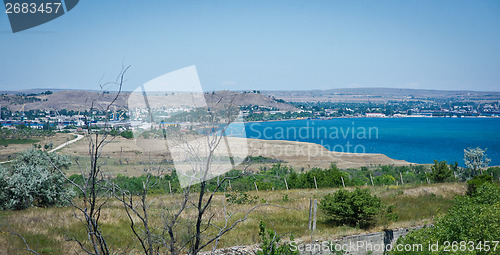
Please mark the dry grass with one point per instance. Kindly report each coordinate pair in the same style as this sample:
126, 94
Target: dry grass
46, 228
125, 157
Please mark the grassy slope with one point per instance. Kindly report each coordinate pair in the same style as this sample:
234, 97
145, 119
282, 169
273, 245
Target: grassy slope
46, 228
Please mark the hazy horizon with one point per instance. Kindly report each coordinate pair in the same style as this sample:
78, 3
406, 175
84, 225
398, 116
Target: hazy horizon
262, 90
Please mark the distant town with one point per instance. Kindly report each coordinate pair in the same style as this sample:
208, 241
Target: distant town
391, 109
255, 107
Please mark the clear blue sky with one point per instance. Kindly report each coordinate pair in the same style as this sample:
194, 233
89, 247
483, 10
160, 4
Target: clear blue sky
261, 44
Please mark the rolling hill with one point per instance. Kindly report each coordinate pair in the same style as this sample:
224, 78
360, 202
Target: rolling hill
79, 100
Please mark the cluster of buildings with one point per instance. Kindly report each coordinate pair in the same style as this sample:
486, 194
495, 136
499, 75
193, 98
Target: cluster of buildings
60, 122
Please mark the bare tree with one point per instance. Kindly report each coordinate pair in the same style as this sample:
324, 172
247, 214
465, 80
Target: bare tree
189, 219
141, 210
93, 188
179, 233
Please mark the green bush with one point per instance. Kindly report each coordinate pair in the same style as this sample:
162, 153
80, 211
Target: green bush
32, 180
285, 198
271, 243
473, 219
441, 172
134, 184
495, 171
127, 134
241, 198
325, 178
356, 208
385, 179
477, 181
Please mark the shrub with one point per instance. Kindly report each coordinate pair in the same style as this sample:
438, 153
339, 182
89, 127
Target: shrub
285, 198
472, 219
241, 198
477, 181
127, 134
384, 179
43, 159
495, 171
33, 181
358, 207
271, 243
325, 178
441, 172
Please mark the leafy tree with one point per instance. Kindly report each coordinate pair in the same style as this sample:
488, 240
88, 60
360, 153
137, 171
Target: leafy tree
441, 172
384, 179
475, 160
358, 207
325, 178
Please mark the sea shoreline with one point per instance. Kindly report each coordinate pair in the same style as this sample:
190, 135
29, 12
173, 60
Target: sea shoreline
388, 117
419, 140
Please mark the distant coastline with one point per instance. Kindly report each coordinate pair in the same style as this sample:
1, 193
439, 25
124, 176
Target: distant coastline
364, 117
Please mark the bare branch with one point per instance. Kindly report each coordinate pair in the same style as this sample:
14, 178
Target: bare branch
24, 241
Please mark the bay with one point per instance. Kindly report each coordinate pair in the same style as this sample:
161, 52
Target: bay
416, 140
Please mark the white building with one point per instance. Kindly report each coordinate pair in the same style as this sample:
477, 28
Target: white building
375, 115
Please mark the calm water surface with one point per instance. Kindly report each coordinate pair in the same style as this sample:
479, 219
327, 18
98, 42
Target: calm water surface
418, 140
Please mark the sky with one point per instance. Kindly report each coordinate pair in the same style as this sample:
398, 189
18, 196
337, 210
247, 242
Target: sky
262, 45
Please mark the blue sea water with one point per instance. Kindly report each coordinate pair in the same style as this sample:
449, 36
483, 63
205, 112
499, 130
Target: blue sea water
416, 140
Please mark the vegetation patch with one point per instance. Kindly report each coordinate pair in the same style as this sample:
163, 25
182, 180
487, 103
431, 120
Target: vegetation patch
6, 142
471, 226
34, 179
353, 208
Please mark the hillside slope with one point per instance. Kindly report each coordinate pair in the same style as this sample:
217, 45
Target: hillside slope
79, 100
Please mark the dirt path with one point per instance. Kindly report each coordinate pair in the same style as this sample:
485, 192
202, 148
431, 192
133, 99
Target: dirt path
78, 138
